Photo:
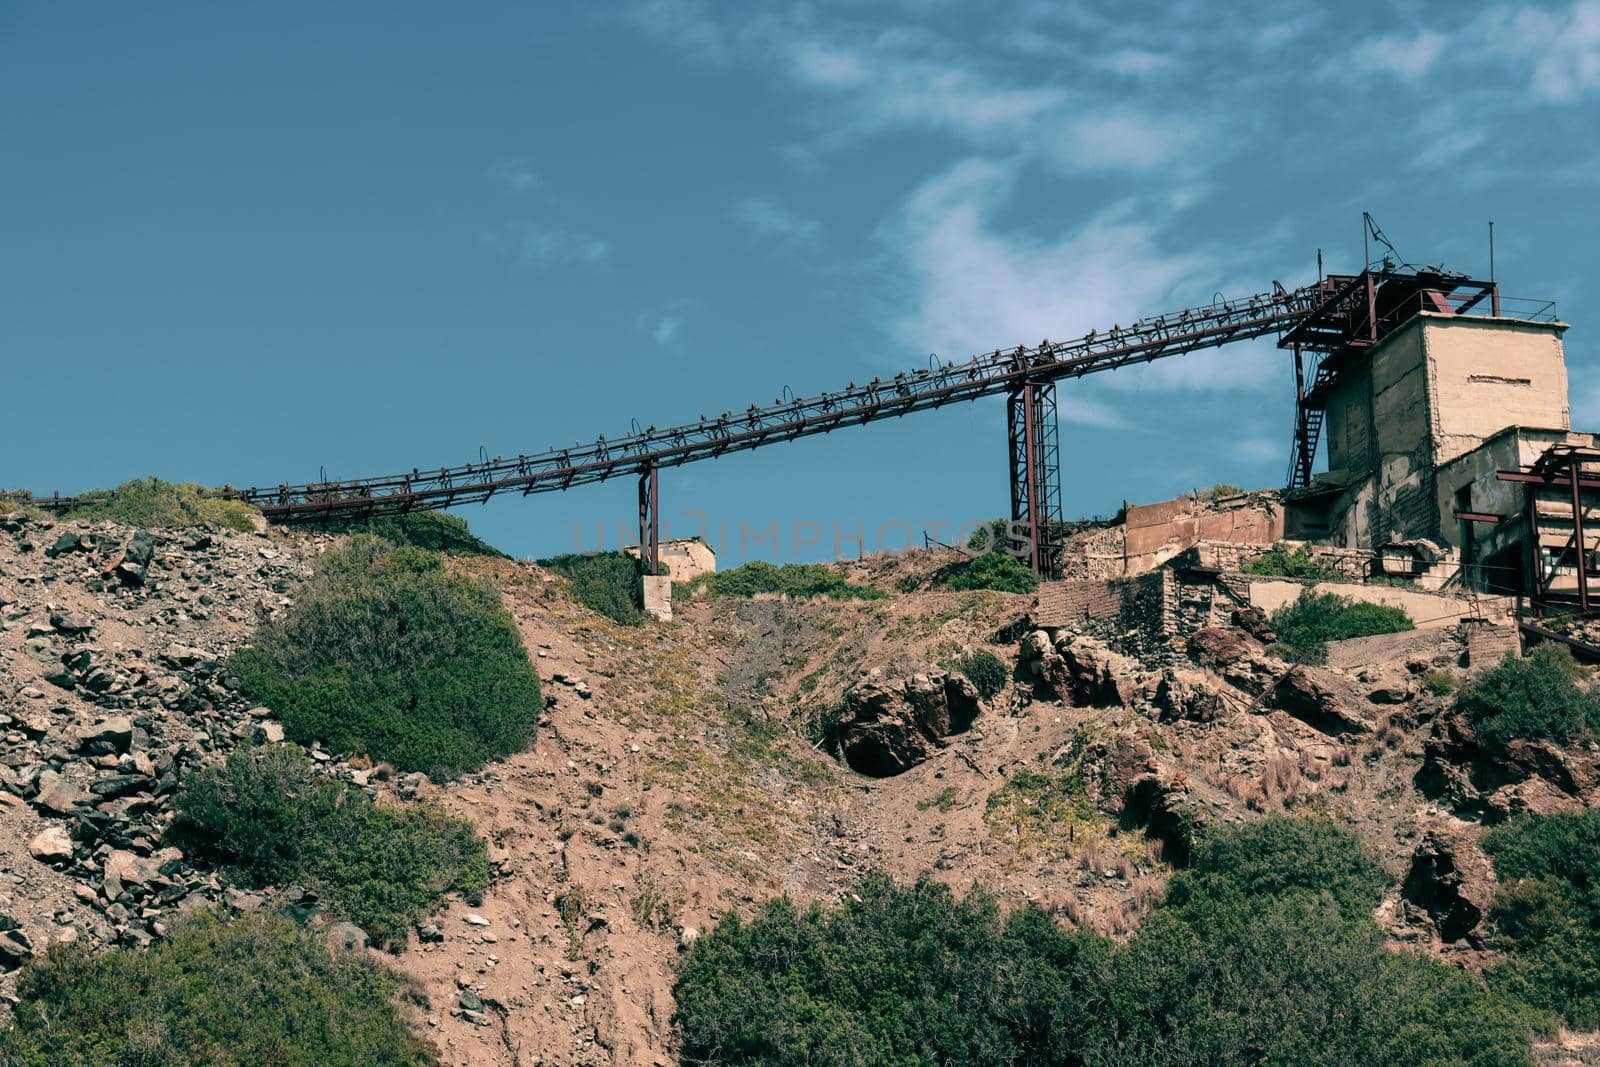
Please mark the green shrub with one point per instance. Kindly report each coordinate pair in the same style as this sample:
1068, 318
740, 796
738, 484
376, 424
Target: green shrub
155, 503
1265, 952
254, 990
1549, 908
985, 670
607, 582
893, 975
1280, 856
436, 531
990, 534
993, 570
1297, 562
1305, 627
386, 653
798, 580
1536, 697
269, 813
1439, 683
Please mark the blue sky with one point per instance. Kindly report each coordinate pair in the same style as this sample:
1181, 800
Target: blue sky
246, 243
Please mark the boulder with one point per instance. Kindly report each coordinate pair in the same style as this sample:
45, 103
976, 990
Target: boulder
1309, 696
123, 868
71, 622
15, 949
57, 795
1220, 647
134, 564
1087, 673
51, 845
345, 937
1253, 621
109, 735
67, 542
1452, 880
888, 727
1185, 694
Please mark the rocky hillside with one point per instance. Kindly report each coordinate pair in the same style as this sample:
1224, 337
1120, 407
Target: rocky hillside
750, 748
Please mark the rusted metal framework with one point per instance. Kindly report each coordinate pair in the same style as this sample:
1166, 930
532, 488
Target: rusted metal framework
1002, 372
1352, 313
1325, 325
1560, 468
1033, 433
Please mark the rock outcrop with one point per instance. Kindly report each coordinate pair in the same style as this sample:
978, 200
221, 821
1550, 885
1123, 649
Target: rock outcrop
1452, 880
889, 726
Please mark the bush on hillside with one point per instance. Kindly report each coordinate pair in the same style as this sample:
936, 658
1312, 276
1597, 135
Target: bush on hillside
154, 503
1305, 627
1266, 952
1299, 561
252, 990
388, 654
1279, 856
1548, 906
985, 670
1000, 571
1536, 697
800, 581
606, 582
276, 819
436, 531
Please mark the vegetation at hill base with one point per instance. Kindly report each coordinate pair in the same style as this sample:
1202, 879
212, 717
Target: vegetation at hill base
606, 582
157, 504
436, 531
386, 653
1305, 627
800, 581
1296, 561
1535, 697
1548, 907
986, 671
1265, 951
257, 989
999, 571
271, 815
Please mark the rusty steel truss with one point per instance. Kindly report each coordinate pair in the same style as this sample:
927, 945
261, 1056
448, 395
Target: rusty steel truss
1352, 313
1560, 467
1025, 375
1325, 325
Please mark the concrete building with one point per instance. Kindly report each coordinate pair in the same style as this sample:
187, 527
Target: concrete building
1420, 428
1424, 414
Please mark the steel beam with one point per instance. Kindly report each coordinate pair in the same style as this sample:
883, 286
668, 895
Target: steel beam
650, 519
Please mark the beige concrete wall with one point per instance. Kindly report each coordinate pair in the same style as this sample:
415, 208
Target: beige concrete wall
1434, 391
1154, 533
685, 559
1488, 374
1426, 609
1349, 423
658, 597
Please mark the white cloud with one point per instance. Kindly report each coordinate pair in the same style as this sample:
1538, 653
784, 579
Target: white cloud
769, 220
1260, 449
1404, 57
979, 288
1136, 62
534, 244
876, 76
666, 330
1568, 54
1557, 51
514, 175
1078, 410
